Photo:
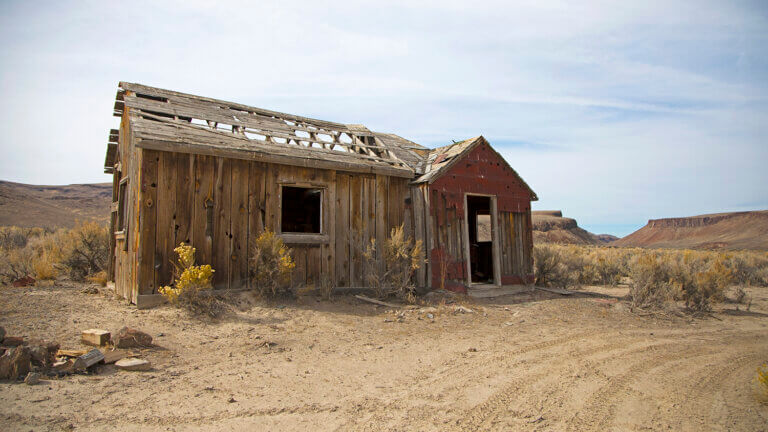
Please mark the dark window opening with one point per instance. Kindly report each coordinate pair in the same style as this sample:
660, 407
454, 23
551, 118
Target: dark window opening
300, 210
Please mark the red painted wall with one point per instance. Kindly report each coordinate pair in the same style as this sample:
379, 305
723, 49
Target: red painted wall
481, 171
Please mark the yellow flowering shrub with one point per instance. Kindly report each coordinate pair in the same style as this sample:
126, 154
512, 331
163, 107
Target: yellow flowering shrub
271, 264
762, 381
189, 279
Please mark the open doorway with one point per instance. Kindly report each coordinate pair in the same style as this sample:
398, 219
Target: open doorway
480, 232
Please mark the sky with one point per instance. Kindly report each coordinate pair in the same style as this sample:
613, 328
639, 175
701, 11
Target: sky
613, 112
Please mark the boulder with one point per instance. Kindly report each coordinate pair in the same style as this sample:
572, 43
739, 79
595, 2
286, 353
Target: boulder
43, 353
133, 364
32, 378
24, 282
15, 363
131, 338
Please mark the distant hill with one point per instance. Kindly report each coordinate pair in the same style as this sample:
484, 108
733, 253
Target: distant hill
549, 226
740, 230
53, 206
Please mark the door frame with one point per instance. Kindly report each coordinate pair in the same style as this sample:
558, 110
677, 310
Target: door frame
495, 251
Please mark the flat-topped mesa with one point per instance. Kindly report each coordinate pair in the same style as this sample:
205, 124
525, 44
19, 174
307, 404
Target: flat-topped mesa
556, 213
548, 223
700, 221
738, 230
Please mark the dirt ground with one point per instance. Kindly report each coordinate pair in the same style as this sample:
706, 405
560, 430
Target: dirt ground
532, 361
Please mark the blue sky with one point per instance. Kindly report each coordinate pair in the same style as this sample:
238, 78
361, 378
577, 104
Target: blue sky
614, 112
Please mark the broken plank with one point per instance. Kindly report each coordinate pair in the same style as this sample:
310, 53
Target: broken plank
377, 302
555, 290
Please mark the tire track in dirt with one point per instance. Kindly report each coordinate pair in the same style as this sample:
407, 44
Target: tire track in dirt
485, 413
482, 415
703, 394
453, 372
603, 403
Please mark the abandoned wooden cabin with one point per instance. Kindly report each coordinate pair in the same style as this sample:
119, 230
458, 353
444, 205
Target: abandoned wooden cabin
216, 174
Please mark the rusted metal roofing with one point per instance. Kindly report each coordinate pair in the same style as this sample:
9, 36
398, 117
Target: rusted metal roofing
440, 160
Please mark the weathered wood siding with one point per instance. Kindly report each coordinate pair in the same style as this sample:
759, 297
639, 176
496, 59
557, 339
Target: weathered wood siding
125, 259
174, 191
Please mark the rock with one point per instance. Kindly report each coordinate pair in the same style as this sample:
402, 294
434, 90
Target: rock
15, 363
131, 338
95, 337
24, 282
133, 364
32, 378
43, 353
13, 341
5, 365
430, 316
2, 334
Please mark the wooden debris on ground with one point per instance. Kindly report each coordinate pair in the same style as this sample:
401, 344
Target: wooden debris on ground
133, 364
88, 359
555, 290
70, 353
377, 302
113, 356
95, 337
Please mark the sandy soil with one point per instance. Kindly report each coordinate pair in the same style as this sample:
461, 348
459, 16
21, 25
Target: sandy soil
533, 361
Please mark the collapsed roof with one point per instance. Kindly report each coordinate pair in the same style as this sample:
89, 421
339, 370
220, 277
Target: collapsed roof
172, 121
166, 120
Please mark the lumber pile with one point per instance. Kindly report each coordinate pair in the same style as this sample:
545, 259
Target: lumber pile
32, 360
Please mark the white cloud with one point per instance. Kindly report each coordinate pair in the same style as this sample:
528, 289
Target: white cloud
642, 109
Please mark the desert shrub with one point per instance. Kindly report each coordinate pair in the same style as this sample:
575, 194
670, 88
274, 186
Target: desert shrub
100, 278
271, 265
191, 288
650, 288
16, 263
325, 285
88, 250
389, 269
13, 237
553, 267
78, 252
749, 268
762, 382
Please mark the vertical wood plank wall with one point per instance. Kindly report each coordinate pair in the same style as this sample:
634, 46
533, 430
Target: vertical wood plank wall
172, 191
444, 225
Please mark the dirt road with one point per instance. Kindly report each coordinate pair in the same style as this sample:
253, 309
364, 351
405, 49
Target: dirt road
533, 361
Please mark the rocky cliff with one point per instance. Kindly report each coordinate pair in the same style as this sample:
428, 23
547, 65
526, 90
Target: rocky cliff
549, 226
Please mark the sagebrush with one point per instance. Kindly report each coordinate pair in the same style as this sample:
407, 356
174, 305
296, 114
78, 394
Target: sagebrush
192, 285
657, 278
389, 268
77, 253
271, 265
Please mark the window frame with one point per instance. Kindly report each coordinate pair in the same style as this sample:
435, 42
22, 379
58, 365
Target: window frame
299, 237
122, 195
